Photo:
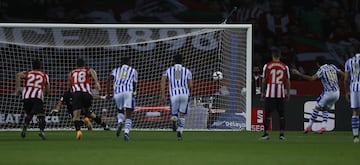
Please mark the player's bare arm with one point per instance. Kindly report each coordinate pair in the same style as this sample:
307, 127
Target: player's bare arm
18, 78
136, 88
95, 78
47, 87
306, 77
162, 86
108, 83
190, 85
263, 88
287, 86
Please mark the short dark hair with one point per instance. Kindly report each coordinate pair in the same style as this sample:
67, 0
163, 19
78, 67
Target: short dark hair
178, 59
36, 64
321, 60
125, 60
276, 52
80, 62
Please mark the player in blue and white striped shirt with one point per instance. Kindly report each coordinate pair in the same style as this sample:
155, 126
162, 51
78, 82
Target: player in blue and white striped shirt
180, 85
352, 90
125, 80
328, 74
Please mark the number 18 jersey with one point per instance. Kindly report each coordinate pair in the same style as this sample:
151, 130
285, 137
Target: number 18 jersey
80, 80
275, 74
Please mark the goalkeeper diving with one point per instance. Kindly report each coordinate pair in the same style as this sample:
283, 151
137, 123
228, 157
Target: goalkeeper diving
66, 99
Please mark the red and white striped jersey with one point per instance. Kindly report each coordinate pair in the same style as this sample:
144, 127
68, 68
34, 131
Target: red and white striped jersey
80, 80
35, 82
275, 74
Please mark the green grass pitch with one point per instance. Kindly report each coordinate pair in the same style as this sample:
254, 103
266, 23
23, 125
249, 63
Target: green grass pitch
162, 148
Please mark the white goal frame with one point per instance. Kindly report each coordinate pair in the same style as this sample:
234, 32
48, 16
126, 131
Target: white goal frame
248, 28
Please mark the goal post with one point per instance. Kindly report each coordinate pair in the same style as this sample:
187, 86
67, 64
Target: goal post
206, 48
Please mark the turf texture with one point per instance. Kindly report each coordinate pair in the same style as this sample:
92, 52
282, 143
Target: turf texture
163, 148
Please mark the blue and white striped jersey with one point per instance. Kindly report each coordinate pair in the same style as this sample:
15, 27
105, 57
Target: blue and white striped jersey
124, 77
352, 66
327, 73
178, 77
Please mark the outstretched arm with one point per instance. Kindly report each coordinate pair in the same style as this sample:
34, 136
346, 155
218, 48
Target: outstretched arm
108, 82
306, 77
95, 78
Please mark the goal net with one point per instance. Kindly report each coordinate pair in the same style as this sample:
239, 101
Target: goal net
214, 104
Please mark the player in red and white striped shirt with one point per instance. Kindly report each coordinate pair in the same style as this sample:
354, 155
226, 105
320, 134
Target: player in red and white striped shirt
276, 77
36, 85
81, 92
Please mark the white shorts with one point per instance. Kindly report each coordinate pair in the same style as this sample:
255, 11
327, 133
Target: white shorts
179, 103
328, 99
124, 100
354, 100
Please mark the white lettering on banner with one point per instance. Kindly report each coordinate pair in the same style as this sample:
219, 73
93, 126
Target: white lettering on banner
15, 119
260, 116
60, 37
257, 127
112, 37
48, 119
233, 124
9, 118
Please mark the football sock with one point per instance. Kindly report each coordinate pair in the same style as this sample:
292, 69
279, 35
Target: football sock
355, 125
325, 119
41, 123
282, 125
78, 125
120, 117
313, 117
28, 119
174, 118
266, 124
127, 125
181, 124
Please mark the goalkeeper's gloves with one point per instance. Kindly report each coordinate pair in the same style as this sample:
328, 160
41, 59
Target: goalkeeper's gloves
55, 111
135, 93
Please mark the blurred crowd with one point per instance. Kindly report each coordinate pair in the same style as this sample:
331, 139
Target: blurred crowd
300, 28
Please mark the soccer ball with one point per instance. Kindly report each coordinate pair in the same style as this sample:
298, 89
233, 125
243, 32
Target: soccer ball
218, 75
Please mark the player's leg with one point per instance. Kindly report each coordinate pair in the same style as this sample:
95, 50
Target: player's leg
87, 123
282, 123
129, 104
267, 118
28, 117
119, 101
174, 108
315, 113
97, 120
355, 106
183, 108
38, 109
128, 123
78, 105
328, 101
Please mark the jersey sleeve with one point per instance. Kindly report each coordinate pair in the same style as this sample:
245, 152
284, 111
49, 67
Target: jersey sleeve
135, 76
264, 71
189, 76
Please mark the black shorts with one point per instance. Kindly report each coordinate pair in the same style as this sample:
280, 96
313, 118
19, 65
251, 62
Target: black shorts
81, 100
33, 106
277, 104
